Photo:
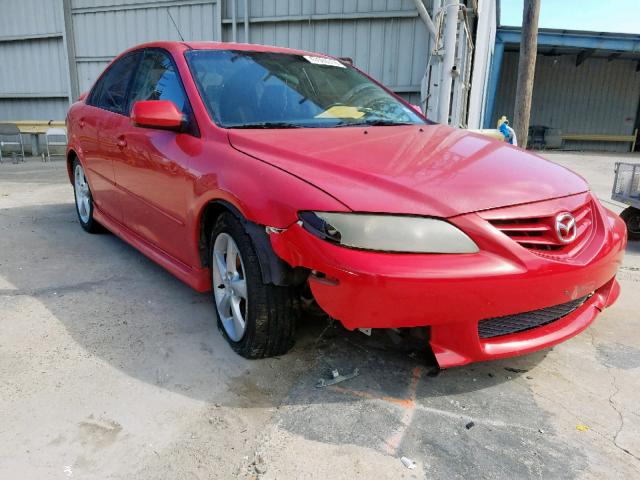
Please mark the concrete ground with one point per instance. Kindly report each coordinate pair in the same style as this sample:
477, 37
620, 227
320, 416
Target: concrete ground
112, 368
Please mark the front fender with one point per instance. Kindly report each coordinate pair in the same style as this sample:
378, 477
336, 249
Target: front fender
260, 195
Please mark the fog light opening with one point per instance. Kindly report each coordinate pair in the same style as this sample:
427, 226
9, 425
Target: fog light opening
324, 278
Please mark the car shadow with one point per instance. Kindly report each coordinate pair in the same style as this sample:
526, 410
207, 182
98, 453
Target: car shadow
121, 307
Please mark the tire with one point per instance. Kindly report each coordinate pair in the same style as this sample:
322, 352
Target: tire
631, 217
269, 311
83, 199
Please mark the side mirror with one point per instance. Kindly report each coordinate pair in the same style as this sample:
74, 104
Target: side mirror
417, 108
162, 114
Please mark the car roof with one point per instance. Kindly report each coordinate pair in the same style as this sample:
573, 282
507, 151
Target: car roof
202, 45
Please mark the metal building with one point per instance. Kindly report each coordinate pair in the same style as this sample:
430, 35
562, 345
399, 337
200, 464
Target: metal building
52, 50
385, 38
34, 76
586, 87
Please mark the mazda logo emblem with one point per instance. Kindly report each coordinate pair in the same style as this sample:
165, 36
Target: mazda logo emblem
566, 229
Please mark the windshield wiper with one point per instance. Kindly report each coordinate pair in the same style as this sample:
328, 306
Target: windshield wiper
266, 125
372, 122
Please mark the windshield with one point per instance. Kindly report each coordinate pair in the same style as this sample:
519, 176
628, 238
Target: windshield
245, 89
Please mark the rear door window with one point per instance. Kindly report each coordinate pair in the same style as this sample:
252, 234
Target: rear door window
110, 92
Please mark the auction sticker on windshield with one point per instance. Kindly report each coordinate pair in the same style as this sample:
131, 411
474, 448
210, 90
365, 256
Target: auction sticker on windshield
331, 62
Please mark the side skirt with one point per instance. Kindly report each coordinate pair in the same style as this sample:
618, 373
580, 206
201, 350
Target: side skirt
198, 279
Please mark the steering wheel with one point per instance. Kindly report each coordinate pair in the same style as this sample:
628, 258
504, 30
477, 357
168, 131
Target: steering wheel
357, 90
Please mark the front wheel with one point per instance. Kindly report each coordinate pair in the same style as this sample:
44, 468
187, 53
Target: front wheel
631, 217
84, 200
258, 320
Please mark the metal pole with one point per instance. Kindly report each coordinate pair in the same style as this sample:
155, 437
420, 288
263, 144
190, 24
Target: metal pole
526, 70
246, 21
218, 14
70, 49
234, 33
450, 39
424, 15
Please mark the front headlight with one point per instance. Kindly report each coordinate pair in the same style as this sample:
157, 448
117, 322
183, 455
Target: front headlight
388, 233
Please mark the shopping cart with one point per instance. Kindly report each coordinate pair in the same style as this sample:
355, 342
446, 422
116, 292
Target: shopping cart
626, 189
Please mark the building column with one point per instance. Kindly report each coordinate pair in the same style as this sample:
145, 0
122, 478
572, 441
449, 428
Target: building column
494, 81
70, 50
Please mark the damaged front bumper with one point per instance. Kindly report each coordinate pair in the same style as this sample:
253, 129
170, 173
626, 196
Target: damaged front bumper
452, 293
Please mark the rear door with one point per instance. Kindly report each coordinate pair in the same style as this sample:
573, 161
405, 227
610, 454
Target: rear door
100, 176
153, 172
102, 123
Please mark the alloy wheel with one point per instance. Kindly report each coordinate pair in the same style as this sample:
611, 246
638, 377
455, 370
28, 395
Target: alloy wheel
83, 197
229, 286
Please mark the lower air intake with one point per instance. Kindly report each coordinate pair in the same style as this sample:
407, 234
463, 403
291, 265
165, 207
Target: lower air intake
494, 327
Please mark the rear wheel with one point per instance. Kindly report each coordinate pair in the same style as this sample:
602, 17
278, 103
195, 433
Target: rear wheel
631, 217
257, 319
84, 200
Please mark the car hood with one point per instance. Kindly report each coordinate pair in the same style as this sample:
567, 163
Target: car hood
431, 170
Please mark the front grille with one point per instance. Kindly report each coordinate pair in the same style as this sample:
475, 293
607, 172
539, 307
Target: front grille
538, 234
494, 327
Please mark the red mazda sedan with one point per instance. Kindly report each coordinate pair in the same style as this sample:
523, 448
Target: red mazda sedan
258, 172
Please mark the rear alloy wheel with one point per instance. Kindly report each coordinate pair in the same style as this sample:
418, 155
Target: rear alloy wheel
257, 319
631, 217
84, 200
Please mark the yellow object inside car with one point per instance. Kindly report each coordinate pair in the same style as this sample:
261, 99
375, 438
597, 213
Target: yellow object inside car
341, 111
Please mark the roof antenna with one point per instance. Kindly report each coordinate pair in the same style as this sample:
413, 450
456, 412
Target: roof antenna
174, 24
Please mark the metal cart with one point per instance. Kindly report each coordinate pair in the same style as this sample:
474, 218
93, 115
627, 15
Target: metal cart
626, 189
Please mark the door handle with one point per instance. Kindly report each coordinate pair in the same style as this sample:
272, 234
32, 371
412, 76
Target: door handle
122, 142
81, 123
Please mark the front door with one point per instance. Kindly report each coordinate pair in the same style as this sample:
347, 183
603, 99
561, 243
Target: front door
153, 170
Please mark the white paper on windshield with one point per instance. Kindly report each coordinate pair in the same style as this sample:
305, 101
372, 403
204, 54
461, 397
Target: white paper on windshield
331, 62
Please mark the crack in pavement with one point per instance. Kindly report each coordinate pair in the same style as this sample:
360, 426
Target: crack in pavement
580, 419
614, 384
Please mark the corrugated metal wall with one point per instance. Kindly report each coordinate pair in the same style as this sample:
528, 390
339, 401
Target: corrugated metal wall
385, 38
102, 29
33, 73
597, 97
